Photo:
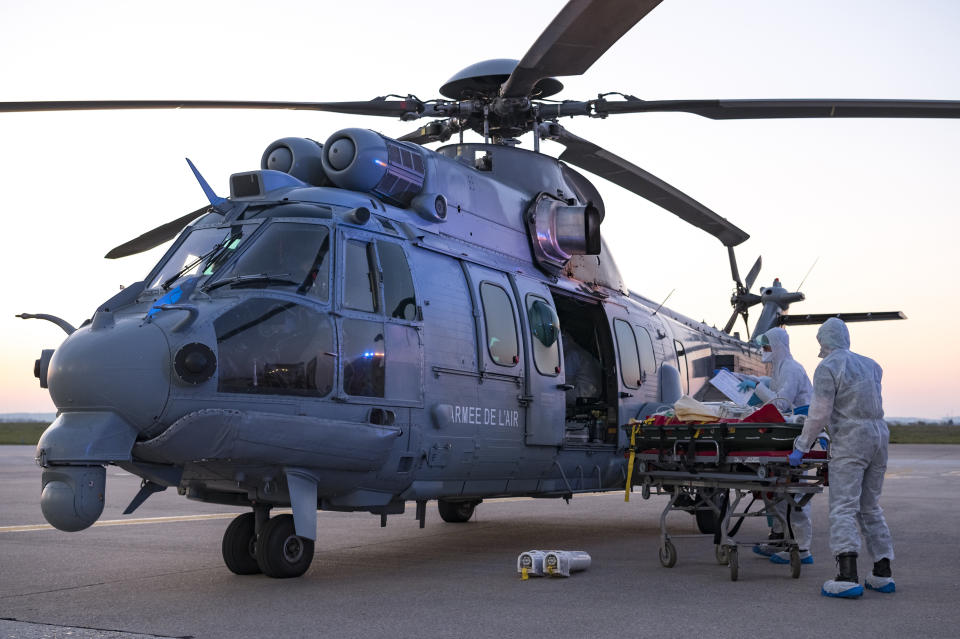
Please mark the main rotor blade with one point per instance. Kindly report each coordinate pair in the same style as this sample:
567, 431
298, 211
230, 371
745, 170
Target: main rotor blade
754, 271
598, 161
577, 37
761, 109
378, 106
157, 236
820, 318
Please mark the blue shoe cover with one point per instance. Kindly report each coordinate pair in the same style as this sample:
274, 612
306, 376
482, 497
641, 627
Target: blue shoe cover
880, 584
842, 589
784, 558
764, 550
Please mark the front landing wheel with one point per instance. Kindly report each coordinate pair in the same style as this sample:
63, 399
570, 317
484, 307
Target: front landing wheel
280, 552
239, 546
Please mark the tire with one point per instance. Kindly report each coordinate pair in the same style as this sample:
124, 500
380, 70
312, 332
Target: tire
456, 512
733, 561
722, 554
795, 563
281, 554
239, 546
668, 555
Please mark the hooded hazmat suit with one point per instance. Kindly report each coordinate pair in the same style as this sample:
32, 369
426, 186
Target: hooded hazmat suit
846, 401
789, 387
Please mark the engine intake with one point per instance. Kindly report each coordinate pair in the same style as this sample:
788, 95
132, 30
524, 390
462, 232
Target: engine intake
362, 160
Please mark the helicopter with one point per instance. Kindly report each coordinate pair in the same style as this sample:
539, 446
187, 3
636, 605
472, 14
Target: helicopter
366, 322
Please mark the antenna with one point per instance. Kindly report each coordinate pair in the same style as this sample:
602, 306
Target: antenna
808, 273
663, 302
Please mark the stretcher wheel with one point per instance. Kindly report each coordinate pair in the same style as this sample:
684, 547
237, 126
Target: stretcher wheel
733, 561
668, 555
795, 563
645, 491
722, 554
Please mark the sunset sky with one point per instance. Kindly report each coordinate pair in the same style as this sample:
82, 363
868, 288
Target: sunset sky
873, 202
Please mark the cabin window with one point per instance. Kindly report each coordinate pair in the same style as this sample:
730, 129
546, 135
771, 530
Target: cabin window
501, 328
545, 328
275, 347
286, 256
629, 358
682, 366
364, 368
359, 287
399, 296
648, 361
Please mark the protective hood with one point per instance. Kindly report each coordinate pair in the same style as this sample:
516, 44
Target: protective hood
833, 335
779, 345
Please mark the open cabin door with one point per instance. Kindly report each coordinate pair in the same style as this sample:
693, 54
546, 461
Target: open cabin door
543, 391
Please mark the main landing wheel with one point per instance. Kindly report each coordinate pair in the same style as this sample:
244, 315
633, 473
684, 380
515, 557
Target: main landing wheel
456, 512
280, 552
239, 546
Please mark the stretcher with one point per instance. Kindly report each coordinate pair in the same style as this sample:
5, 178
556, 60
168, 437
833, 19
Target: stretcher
717, 472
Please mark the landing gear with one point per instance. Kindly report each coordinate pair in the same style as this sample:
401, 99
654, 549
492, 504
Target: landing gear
276, 551
280, 552
456, 512
239, 545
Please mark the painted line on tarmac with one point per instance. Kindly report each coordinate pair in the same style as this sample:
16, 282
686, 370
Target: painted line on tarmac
182, 518
126, 522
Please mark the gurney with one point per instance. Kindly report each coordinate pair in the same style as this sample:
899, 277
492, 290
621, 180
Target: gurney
710, 470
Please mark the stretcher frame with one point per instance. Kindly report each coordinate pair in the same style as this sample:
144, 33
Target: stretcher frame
686, 472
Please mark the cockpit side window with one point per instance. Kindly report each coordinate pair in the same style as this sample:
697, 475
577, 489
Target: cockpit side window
360, 287
399, 296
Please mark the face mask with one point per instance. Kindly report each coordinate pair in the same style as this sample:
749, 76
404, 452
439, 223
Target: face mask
823, 352
767, 356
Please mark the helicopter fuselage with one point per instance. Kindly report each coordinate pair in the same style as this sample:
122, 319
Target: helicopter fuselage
327, 348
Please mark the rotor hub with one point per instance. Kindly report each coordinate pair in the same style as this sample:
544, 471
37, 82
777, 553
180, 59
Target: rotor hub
483, 80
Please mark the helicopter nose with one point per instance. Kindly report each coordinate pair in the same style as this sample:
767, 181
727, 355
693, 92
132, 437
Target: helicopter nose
122, 367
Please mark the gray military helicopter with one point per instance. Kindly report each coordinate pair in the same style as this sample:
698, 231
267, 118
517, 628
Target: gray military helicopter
367, 322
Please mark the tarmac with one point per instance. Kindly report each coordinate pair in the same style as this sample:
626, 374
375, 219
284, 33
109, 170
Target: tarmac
159, 573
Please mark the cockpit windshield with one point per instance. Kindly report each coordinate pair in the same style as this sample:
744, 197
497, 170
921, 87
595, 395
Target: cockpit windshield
287, 255
202, 252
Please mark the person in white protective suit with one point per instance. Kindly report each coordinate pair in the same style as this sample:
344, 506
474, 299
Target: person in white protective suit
846, 399
788, 388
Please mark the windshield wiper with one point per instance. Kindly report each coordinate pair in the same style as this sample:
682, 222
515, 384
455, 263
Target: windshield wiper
261, 278
191, 265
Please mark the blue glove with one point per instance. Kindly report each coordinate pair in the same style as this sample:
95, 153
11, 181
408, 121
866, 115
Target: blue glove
746, 384
796, 457
824, 443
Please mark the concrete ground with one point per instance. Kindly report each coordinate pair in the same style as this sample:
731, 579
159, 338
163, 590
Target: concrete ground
159, 572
